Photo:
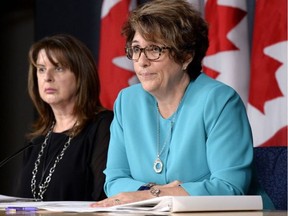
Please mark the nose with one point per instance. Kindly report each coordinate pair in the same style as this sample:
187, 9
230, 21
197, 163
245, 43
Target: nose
48, 77
143, 61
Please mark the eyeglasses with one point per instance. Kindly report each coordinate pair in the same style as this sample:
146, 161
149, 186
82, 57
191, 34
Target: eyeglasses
152, 52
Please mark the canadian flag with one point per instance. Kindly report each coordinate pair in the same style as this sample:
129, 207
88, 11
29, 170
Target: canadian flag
263, 86
115, 70
267, 108
227, 57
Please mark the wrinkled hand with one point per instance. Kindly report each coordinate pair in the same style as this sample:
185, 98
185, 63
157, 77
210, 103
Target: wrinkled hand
122, 198
171, 184
128, 197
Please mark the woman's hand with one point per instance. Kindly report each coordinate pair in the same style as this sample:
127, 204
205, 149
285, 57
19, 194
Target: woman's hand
175, 183
123, 198
171, 189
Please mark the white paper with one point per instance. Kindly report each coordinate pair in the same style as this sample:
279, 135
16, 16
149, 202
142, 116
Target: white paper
158, 204
4, 198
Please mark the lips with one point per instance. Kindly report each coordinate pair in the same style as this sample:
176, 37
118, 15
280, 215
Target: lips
49, 90
147, 75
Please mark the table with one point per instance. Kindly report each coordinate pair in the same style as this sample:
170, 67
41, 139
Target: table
238, 213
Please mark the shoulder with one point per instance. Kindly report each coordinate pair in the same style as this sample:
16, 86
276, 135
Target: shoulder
133, 90
205, 85
132, 96
103, 117
210, 83
131, 102
35, 140
105, 114
212, 95
130, 99
131, 93
99, 124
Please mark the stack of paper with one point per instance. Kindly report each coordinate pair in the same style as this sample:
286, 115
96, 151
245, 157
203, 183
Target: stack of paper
5, 199
158, 204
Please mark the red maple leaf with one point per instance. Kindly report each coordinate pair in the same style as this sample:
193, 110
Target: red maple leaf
221, 20
270, 27
112, 78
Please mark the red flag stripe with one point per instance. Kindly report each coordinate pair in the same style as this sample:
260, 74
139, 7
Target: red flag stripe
113, 66
268, 89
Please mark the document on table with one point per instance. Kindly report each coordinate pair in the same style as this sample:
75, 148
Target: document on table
4, 198
197, 203
158, 204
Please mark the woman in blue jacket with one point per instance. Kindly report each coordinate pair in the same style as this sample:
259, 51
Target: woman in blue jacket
178, 132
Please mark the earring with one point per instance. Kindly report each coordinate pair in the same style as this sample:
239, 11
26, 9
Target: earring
185, 65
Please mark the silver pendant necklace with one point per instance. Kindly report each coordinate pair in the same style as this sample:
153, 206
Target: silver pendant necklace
158, 164
43, 186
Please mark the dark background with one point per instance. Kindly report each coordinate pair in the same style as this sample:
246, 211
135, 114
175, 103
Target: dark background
22, 22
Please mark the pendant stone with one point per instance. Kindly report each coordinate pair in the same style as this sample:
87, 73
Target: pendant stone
158, 165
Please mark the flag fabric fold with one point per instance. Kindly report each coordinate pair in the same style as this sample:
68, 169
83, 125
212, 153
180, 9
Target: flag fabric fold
115, 70
267, 108
227, 57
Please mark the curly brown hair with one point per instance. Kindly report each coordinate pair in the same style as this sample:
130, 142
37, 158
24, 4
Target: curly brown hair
174, 23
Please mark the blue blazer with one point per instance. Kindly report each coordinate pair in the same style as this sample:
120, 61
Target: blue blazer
210, 148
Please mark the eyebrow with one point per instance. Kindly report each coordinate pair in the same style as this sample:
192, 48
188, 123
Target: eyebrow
134, 41
57, 64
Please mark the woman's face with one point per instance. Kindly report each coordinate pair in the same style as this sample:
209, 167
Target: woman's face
56, 84
159, 76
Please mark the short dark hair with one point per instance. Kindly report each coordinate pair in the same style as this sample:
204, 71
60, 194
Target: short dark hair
176, 24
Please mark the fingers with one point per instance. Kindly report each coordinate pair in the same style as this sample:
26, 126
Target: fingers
123, 198
107, 202
176, 183
173, 184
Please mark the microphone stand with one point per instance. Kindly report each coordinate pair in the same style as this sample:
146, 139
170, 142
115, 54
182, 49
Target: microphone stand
3, 162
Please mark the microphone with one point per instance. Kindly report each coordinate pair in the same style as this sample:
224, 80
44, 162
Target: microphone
6, 160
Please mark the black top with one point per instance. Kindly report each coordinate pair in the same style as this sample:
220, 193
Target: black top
79, 175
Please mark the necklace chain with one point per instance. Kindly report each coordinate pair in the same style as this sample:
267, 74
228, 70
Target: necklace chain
43, 186
169, 134
158, 164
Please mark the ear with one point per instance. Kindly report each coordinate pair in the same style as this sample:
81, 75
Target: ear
187, 62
